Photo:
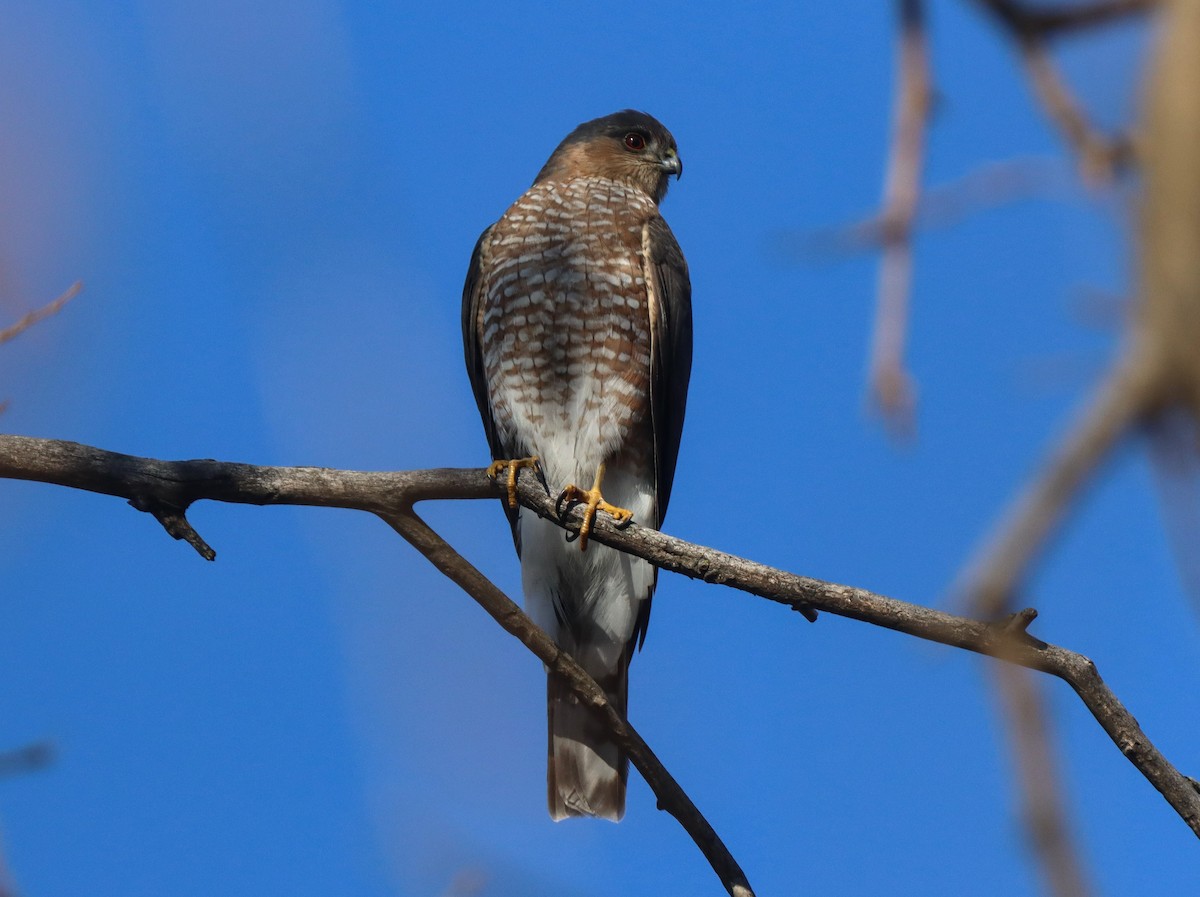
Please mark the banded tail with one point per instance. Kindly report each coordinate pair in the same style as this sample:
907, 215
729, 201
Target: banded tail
586, 771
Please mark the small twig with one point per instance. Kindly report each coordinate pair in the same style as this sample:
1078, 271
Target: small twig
890, 383
40, 313
29, 758
990, 185
174, 521
1100, 157
180, 483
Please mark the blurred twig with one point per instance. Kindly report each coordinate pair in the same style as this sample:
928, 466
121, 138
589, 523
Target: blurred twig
39, 314
26, 759
467, 883
1045, 20
1100, 157
29, 758
890, 383
988, 186
1040, 788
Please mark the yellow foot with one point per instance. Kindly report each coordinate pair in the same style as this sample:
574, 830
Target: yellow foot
595, 502
513, 466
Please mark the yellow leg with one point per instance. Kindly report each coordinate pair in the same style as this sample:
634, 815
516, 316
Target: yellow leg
595, 502
513, 466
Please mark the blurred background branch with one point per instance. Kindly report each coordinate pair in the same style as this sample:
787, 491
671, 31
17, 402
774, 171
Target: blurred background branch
891, 385
39, 314
29, 758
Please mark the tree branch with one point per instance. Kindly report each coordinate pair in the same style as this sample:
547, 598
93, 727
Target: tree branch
39, 314
990, 185
504, 611
891, 384
166, 489
1100, 157
391, 496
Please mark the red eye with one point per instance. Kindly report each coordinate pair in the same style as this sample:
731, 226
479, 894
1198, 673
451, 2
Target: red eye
635, 142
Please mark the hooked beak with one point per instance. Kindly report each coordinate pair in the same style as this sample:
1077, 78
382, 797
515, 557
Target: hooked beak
672, 164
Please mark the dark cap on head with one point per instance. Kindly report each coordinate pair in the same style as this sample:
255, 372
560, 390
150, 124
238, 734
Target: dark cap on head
628, 146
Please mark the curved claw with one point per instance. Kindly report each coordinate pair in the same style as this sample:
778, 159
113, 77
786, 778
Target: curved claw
595, 502
568, 497
513, 465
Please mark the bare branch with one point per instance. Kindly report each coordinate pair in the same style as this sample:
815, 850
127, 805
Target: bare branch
166, 490
891, 384
504, 611
990, 185
39, 314
391, 496
1100, 157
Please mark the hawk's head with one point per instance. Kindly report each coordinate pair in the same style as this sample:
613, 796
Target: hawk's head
631, 147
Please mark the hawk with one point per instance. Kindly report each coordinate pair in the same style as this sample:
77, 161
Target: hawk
577, 328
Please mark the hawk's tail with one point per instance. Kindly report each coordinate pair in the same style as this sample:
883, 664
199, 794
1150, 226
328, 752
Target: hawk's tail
586, 772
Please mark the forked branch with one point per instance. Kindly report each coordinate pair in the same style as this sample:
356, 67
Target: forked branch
177, 484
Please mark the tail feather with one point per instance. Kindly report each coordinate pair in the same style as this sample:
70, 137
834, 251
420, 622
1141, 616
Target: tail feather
587, 771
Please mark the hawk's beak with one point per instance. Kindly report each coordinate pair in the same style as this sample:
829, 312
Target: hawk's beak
672, 164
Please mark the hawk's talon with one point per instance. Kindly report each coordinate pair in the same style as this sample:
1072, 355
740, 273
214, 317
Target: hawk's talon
513, 465
595, 502
562, 497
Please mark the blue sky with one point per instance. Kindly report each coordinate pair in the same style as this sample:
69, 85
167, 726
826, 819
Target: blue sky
273, 209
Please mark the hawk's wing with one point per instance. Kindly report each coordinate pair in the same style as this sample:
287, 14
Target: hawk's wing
472, 322
670, 351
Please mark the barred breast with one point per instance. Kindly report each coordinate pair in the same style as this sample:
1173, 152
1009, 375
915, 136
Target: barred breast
566, 327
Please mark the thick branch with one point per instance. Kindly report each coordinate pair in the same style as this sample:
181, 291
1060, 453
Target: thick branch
391, 494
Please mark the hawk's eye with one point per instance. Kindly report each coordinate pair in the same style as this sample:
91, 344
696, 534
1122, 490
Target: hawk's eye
635, 142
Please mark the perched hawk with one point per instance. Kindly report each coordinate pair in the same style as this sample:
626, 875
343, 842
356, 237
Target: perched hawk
577, 326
